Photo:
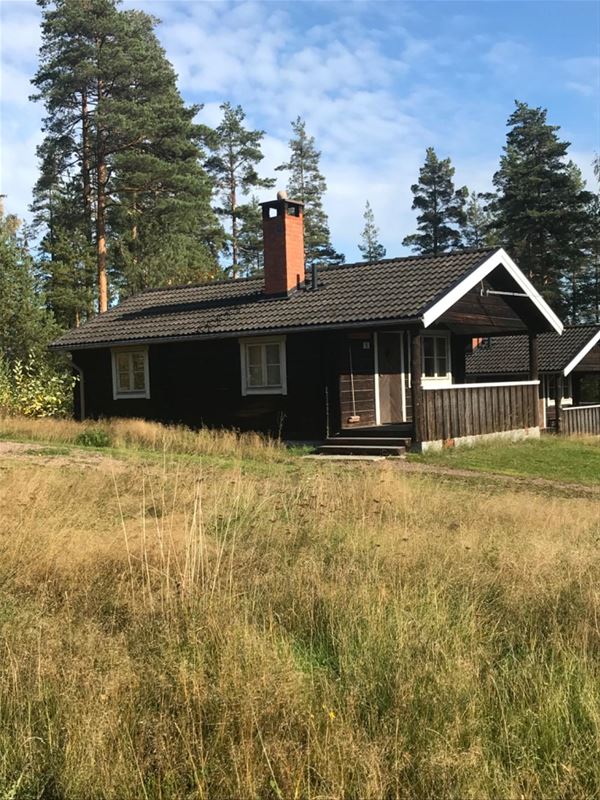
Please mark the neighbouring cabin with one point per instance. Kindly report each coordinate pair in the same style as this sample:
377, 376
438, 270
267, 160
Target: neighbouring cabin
569, 369
360, 356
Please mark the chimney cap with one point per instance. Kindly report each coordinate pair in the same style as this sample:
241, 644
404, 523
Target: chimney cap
282, 195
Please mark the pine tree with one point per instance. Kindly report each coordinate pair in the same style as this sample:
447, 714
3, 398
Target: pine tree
370, 246
542, 208
477, 230
116, 124
307, 184
233, 167
441, 207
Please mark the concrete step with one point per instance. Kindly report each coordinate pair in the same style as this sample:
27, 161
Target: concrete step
369, 441
362, 449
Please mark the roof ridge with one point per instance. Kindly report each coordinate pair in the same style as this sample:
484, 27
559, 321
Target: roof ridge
321, 267
215, 282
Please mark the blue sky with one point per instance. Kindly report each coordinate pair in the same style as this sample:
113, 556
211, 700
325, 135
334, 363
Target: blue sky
377, 82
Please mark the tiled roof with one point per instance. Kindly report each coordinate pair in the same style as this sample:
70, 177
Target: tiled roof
505, 355
393, 289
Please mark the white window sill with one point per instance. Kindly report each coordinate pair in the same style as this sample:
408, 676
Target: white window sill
132, 396
265, 390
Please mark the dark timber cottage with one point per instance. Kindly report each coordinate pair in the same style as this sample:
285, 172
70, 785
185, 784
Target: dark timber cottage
371, 349
569, 367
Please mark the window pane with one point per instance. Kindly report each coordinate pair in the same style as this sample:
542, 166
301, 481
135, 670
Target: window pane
253, 354
273, 375
441, 366
139, 381
428, 345
139, 372
254, 375
429, 367
123, 372
272, 351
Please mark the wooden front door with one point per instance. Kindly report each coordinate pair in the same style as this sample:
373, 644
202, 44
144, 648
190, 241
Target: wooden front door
390, 357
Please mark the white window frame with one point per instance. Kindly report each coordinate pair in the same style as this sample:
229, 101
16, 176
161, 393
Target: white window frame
131, 394
263, 340
437, 379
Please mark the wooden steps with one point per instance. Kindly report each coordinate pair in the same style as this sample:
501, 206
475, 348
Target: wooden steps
364, 446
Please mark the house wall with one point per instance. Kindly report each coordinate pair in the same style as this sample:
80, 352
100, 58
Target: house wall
199, 383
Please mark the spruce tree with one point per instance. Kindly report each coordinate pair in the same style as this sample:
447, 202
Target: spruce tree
477, 225
370, 246
441, 207
307, 184
233, 166
251, 238
25, 325
590, 281
542, 208
116, 123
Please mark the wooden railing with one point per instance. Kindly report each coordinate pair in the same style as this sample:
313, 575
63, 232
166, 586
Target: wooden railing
473, 409
580, 419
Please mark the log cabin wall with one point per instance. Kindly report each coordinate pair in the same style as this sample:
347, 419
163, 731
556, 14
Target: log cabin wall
199, 383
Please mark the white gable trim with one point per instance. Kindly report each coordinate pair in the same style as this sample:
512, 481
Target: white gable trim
583, 352
499, 257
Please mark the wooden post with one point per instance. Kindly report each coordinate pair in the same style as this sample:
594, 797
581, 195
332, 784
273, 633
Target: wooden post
415, 384
534, 374
558, 400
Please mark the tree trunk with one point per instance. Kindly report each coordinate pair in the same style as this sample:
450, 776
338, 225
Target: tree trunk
102, 175
234, 229
101, 237
85, 165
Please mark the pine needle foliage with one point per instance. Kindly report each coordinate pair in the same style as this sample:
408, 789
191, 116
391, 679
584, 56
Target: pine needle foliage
370, 246
233, 167
307, 184
542, 208
441, 207
117, 130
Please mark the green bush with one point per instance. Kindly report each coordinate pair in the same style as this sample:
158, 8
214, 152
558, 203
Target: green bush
94, 437
35, 388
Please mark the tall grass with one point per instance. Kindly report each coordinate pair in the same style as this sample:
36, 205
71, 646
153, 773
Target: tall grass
143, 434
172, 632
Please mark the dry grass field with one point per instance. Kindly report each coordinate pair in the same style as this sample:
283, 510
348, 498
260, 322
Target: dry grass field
241, 623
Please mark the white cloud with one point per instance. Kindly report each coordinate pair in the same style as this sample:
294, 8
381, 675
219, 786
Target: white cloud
583, 75
375, 85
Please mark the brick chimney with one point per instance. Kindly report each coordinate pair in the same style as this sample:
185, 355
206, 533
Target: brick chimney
283, 242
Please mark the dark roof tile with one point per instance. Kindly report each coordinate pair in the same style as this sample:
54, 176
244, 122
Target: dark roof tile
393, 289
506, 355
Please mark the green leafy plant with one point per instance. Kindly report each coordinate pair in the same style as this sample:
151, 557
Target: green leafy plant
94, 437
34, 388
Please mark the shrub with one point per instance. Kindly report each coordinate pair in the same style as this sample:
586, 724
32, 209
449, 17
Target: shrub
34, 388
93, 437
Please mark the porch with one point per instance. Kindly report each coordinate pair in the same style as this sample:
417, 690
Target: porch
401, 389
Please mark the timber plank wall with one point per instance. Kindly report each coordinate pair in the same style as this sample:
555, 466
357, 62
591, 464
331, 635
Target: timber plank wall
453, 413
580, 419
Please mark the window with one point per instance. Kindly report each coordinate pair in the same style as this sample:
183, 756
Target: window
436, 357
130, 373
263, 366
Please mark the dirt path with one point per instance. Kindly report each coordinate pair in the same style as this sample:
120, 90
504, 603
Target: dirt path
518, 481
53, 455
